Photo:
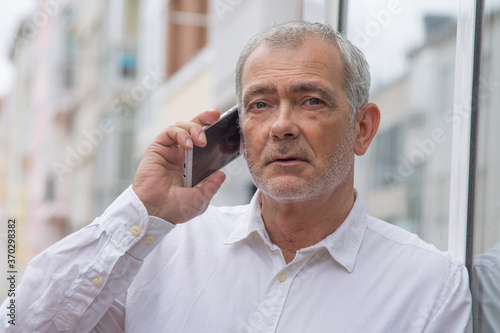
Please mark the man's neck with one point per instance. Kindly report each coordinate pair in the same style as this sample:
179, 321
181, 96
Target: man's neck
296, 224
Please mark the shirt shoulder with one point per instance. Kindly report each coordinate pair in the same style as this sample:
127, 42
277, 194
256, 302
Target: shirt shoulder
406, 245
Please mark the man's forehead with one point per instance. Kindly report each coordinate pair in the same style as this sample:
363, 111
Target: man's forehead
313, 50
313, 57
296, 47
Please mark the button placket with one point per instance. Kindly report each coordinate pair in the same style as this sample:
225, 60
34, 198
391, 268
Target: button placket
274, 300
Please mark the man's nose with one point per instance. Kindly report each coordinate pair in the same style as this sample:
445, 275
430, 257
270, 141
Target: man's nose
284, 124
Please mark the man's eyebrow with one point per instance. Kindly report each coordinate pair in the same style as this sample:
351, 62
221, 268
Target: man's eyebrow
260, 89
325, 93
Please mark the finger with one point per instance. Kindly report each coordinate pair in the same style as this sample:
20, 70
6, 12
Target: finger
211, 185
208, 117
196, 132
176, 135
170, 154
194, 127
185, 134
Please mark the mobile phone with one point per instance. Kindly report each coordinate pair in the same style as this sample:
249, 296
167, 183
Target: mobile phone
224, 145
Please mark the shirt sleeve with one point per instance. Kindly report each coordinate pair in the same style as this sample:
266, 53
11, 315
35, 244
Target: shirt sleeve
453, 310
72, 285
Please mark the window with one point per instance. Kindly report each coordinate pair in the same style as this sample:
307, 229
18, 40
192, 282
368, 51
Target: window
70, 50
387, 150
187, 31
115, 165
411, 51
129, 44
484, 223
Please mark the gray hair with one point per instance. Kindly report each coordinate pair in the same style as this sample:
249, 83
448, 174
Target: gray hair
356, 80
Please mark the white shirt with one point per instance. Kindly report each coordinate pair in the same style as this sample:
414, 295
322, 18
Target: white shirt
220, 273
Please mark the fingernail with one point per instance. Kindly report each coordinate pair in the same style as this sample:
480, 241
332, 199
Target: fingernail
189, 143
202, 137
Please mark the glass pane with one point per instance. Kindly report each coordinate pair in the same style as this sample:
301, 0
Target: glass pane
486, 243
405, 176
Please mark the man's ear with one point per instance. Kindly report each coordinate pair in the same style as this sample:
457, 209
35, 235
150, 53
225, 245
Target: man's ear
367, 121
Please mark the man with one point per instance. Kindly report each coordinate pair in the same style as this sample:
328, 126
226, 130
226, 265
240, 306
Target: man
303, 256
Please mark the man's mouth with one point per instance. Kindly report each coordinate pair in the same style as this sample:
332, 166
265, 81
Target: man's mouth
287, 160
286, 155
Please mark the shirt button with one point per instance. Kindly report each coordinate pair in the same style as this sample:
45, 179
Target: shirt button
281, 277
96, 281
150, 239
135, 230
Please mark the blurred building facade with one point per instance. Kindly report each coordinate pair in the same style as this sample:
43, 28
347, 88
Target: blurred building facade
75, 62
405, 176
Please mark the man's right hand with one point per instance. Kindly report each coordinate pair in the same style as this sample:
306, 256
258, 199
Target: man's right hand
158, 180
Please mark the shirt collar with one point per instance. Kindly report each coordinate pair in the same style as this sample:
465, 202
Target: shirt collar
343, 245
252, 223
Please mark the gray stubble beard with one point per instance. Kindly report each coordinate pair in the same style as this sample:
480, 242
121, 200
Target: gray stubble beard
338, 167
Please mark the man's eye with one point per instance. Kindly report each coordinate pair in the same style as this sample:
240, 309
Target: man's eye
313, 101
258, 105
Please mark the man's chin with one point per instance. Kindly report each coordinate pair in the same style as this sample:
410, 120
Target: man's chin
288, 189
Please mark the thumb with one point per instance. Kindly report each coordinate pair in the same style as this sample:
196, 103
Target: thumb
212, 184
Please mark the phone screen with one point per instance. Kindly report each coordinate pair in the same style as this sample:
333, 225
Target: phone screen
223, 146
